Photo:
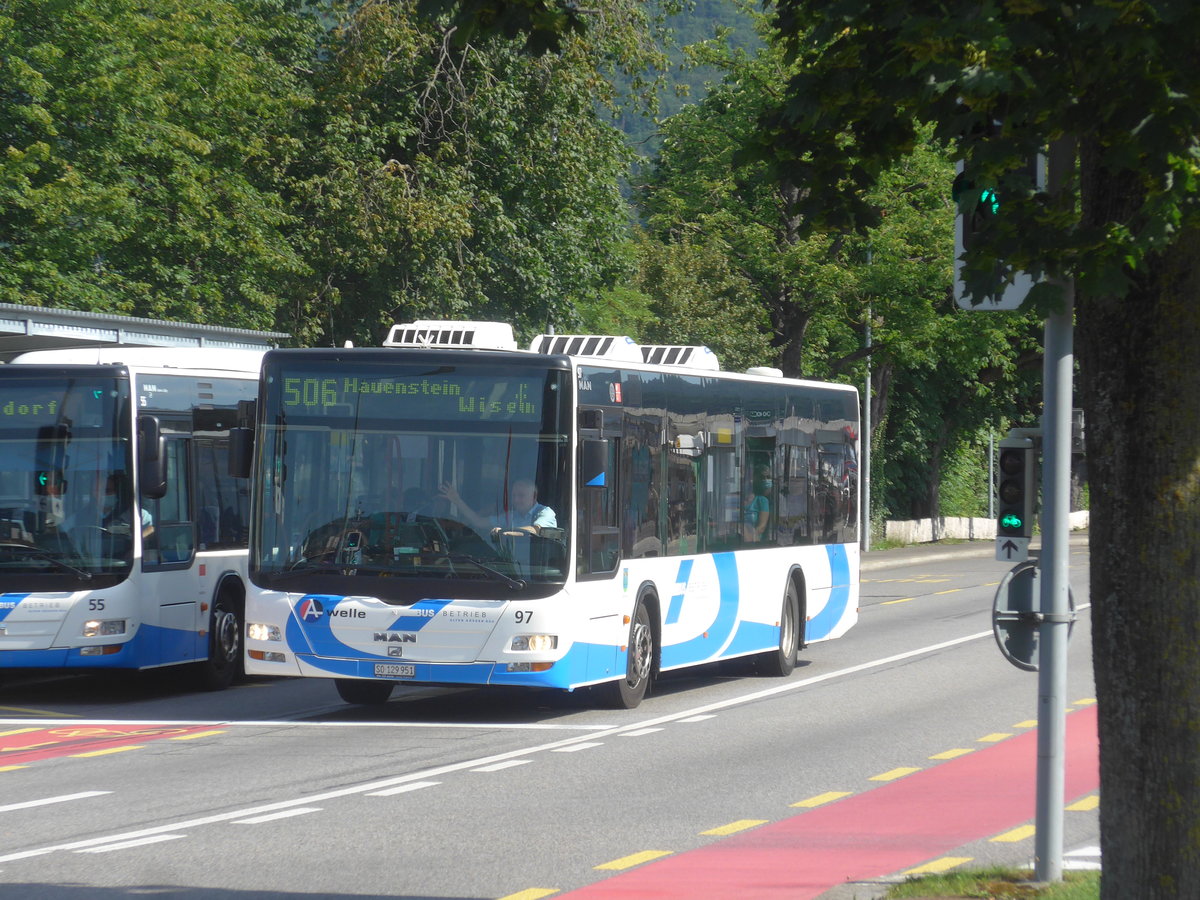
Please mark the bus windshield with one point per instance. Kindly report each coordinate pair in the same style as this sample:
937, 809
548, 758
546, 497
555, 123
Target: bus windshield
400, 471
64, 479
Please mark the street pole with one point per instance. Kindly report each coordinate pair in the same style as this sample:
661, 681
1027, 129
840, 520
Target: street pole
865, 463
1055, 604
991, 473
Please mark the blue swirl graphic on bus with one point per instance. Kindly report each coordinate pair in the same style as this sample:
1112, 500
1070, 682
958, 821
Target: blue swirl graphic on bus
9, 602
310, 629
714, 637
419, 615
826, 620
675, 607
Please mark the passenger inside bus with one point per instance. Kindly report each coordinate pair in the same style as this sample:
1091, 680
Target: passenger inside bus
757, 513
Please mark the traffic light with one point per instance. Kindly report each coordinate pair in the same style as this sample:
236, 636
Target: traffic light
977, 206
1018, 488
980, 205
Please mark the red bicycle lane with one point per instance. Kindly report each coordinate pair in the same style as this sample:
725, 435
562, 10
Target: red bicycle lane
882, 831
22, 745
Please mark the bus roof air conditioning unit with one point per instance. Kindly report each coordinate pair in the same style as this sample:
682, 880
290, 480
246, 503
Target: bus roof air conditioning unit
595, 345
682, 356
430, 335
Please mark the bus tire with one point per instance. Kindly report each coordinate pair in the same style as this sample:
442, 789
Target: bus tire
781, 661
224, 662
627, 692
363, 691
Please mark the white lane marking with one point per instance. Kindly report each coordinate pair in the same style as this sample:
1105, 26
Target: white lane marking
294, 723
1085, 859
29, 804
507, 764
140, 842
639, 732
404, 789
576, 747
500, 757
285, 814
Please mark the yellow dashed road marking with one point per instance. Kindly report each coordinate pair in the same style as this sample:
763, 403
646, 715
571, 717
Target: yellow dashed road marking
634, 859
894, 774
192, 737
735, 827
107, 752
46, 713
945, 864
951, 591
993, 737
951, 754
821, 799
18, 731
1086, 701
11, 768
1086, 804
1017, 834
531, 894
1028, 723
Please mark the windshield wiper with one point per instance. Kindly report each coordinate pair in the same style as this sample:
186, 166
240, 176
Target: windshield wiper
515, 583
44, 555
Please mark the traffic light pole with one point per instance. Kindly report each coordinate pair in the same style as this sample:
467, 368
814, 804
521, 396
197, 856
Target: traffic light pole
1055, 603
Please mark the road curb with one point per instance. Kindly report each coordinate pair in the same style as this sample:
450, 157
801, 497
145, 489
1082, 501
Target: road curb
920, 554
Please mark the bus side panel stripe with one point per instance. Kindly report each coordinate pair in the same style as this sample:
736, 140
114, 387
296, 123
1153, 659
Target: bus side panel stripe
707, 645
824, 622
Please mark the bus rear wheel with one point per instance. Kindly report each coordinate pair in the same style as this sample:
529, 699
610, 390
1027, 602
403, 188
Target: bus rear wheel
363, 692
782, 661
627, 692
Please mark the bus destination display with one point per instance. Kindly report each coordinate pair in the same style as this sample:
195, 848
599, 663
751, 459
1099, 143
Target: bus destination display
441, 396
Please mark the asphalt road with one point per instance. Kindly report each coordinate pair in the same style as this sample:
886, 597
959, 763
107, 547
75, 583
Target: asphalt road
116, 787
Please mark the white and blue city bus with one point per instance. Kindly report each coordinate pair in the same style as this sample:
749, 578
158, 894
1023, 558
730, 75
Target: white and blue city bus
697, 515
122, 533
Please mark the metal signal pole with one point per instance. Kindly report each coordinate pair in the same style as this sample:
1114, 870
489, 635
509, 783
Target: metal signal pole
1055, 603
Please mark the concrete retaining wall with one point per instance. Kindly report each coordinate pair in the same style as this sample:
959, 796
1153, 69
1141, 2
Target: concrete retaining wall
919, 531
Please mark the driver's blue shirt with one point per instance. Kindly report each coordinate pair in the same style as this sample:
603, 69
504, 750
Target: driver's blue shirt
539, 514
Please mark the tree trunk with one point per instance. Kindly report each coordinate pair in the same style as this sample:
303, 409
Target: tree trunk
1140, 367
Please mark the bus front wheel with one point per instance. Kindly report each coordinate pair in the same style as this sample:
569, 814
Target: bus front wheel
363, 692
782, 661
627, 692
224, 661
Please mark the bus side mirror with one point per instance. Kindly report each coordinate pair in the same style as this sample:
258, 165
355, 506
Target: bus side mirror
594, 464
152, 458
241, 451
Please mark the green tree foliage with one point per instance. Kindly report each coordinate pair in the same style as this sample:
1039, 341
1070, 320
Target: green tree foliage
140, 151
458, 179
1114, 87
799, 298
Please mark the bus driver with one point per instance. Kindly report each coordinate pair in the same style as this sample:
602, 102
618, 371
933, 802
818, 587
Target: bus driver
524, 516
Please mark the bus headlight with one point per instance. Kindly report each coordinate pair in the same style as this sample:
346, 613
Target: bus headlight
259, 631
103, 627
537, 643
